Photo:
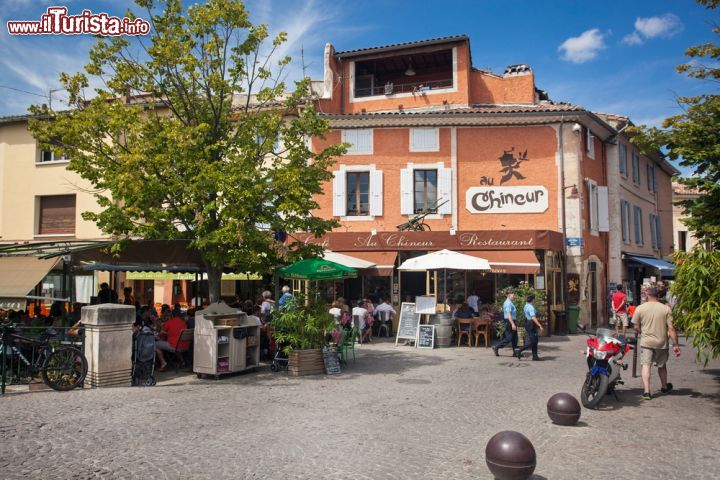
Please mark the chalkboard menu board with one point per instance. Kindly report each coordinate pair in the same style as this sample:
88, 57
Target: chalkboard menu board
331, 360
426, 336
408, 323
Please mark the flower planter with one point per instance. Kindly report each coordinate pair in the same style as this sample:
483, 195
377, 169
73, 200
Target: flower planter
306, 362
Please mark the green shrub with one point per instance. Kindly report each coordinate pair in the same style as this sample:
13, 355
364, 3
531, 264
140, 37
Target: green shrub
303, 324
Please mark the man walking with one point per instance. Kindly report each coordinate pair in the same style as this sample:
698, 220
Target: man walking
619, 308
509, 317
531, 326
653, 322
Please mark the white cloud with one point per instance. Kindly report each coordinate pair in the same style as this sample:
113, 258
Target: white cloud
663, 26
583, 48
633, 38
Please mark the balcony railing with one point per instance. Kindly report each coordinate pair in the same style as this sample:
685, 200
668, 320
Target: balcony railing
391, 88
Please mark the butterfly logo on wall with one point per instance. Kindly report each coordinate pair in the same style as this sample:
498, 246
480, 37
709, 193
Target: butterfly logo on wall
511, 165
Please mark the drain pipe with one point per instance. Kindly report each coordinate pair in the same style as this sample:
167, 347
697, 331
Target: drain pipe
564, 224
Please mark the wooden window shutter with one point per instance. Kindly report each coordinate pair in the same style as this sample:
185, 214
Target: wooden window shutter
406, 191
57, 215
339, 193
445, 190
376, 193
603, 210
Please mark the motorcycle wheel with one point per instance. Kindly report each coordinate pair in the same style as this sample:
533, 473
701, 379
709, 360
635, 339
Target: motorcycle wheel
593, 390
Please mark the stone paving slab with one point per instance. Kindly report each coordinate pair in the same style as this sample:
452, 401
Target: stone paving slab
396, 413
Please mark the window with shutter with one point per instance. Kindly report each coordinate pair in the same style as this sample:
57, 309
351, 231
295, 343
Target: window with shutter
361, 141
652, 230
589, 143
624, 220
593, 206
622, 153
637, 214
603, 209
425, 190
424, 140
658, 235
56, 215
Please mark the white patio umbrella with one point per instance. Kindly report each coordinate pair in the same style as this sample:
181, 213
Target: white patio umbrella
444, 260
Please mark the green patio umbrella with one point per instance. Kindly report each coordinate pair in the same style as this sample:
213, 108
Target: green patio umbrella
317, 269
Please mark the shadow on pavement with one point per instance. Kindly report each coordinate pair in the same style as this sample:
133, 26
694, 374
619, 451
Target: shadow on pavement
629, 397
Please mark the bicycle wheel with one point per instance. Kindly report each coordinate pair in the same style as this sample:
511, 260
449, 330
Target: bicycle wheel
424, 227
65, 369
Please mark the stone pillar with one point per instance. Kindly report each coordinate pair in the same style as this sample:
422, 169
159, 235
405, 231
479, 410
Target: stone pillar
108, 344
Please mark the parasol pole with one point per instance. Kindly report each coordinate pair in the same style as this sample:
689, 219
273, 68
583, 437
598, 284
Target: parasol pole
445, 289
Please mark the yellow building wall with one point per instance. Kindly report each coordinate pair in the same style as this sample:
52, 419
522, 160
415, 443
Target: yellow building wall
22, 180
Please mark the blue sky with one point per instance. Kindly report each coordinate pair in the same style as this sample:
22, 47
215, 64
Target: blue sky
611, 56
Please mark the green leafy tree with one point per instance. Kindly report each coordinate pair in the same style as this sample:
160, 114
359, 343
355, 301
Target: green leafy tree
697, 305
194, 135
693, 137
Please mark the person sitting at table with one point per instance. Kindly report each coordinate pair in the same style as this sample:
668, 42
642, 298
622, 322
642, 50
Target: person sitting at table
464, 312
383, 306
252, 311
364, 330
336, 311
171, 330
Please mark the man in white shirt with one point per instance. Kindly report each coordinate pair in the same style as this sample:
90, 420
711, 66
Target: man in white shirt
472, 301
363, 328
385, 307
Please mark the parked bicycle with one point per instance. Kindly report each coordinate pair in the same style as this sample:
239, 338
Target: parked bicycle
417, 223
61, 367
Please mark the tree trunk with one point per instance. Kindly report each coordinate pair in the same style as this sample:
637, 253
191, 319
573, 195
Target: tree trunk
214, 274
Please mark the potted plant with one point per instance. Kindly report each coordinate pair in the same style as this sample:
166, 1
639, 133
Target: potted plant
521, 292
301, 330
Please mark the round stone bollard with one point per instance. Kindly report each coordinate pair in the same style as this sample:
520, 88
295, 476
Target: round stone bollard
510, 456
563, 409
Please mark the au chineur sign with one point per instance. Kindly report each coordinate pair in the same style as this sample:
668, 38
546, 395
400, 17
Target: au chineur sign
431, 241
525, 199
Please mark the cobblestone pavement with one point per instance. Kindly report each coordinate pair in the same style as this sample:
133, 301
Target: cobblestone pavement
397, 413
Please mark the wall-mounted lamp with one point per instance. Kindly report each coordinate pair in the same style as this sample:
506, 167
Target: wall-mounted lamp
576, 128
574, 193
410, 72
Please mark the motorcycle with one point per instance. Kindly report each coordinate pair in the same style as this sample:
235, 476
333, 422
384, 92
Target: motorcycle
604, 354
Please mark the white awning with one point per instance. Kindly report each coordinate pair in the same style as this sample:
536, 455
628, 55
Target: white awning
20, 274
347, 260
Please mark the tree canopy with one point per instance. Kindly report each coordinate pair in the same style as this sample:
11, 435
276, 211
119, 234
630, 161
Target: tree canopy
195, 135
693, 137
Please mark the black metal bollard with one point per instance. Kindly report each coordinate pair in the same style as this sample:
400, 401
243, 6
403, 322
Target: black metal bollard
510, 456
563, 409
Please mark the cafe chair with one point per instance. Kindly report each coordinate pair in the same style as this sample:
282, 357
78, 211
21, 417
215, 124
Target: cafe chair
179, 354
464, 332
356, 328
483, 330
348, 343
384, 320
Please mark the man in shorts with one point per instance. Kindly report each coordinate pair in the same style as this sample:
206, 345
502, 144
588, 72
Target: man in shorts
619, 308
653, 322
